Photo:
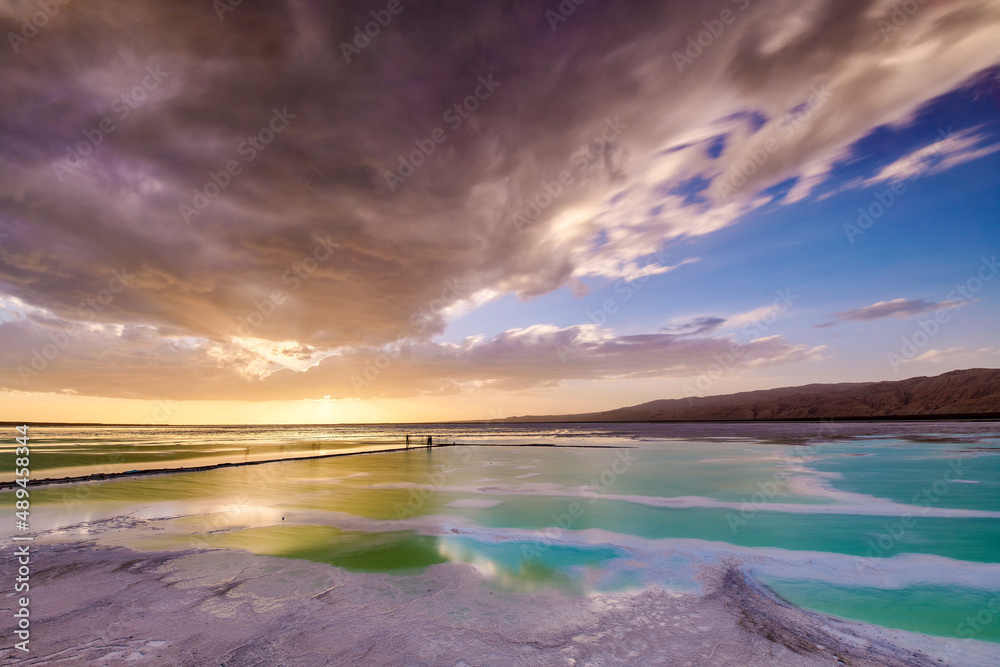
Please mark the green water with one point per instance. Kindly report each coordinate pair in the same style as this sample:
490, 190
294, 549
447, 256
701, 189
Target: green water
352, 550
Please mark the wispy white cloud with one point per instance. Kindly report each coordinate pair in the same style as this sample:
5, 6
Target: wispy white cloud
942, 155
959, 354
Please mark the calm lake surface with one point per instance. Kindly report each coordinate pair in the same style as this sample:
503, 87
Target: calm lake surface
896, 524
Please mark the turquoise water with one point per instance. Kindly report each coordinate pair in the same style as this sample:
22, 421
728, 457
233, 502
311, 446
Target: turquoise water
869, 507
937, 610
907, 472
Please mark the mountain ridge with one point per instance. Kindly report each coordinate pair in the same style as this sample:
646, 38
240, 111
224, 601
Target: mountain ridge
973, 392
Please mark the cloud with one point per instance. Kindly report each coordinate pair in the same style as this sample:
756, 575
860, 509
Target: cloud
895, 308
600, 98
957, 355
134, 362
696, 327
950, 151
811, 178
759, 320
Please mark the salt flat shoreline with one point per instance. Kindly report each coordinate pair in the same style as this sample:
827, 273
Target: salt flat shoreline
115, 606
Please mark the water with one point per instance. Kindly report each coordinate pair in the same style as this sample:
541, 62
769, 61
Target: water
75, 451
893, 524
953, 610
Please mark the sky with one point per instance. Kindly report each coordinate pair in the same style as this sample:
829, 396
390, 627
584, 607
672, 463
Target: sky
420, 210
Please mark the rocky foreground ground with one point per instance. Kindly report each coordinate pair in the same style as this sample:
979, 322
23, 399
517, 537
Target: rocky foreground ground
94, 605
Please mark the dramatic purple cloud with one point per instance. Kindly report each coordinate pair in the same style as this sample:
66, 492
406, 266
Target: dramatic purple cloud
249, 204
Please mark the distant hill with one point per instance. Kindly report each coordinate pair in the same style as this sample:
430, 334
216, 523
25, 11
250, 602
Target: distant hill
969, 393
